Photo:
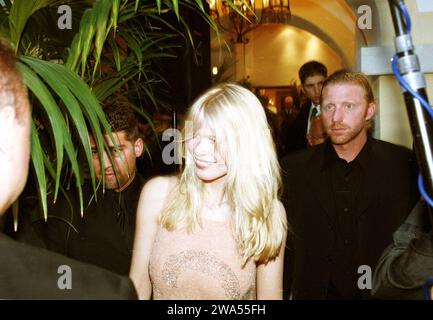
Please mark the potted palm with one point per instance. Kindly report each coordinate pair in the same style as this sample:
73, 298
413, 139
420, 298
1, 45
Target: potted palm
112, 49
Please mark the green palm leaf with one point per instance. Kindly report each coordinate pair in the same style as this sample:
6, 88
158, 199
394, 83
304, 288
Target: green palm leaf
175, 4
115, 13
52, 111
58, 125
134, 46
116, 53
38, 165
53, 76
101, 11
20, 13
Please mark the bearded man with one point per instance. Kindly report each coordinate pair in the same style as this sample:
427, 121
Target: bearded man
345, 197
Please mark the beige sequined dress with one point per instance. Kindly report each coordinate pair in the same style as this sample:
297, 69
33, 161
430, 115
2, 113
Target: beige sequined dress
204, 265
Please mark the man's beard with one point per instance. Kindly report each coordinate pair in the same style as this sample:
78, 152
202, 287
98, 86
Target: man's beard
344, 137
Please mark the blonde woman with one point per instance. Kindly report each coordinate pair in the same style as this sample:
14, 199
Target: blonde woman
216, 231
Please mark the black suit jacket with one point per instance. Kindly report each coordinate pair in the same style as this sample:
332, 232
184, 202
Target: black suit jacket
28, 272
387, 194
295, 136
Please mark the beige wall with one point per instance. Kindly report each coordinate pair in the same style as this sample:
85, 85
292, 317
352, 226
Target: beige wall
334, 18
275, 53
391, 116
393, 124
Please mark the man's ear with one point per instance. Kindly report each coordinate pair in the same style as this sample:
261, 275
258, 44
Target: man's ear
7, 123
138, 147
302, 89
371, 109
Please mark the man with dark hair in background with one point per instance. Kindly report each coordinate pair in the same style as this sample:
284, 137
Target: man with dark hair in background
306, 128
27, 272
104, 236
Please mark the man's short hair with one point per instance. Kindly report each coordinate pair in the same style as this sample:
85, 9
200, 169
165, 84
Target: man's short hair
121, 117
349, 77
13, 92
312, 68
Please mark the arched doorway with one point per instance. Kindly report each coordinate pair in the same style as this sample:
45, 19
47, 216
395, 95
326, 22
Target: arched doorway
324, 30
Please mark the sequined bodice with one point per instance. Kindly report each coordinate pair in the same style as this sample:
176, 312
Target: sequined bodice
202, 265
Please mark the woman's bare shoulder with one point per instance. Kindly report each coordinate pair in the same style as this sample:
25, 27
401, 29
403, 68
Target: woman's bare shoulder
159, 187
161, 183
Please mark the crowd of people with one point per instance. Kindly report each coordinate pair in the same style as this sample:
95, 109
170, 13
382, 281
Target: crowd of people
239, 220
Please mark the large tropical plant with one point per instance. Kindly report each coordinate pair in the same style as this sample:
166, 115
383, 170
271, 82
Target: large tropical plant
61, 100
112, 51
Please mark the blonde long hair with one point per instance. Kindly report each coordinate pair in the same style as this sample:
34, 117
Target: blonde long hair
253, 179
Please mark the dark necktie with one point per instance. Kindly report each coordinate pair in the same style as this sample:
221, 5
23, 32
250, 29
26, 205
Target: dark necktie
315, 133
314, 112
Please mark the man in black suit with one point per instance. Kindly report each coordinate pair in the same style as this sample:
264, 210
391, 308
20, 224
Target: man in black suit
345, 197
27, 272
312, 75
